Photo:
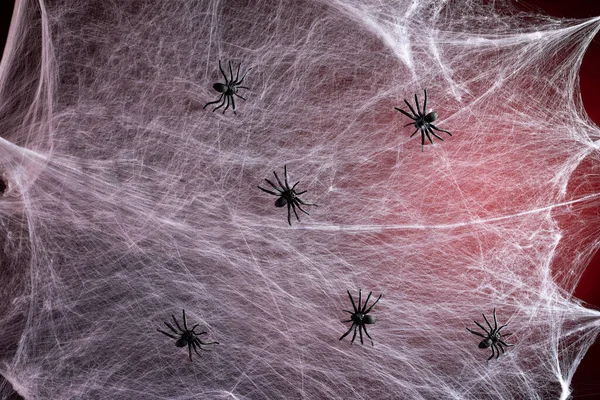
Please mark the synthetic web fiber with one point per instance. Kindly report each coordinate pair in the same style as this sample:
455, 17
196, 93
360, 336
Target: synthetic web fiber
128, 202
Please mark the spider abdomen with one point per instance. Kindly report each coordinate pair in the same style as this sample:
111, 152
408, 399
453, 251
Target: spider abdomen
369, 319
484, 344
280, 202
432, 116
220, 87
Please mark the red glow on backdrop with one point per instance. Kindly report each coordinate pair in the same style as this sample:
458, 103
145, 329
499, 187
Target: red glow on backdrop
586, 383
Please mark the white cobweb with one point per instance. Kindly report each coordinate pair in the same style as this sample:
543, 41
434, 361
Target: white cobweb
128, 202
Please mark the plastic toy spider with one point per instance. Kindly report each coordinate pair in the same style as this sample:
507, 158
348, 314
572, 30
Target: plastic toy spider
228, 89
422, 121
492, 338
187, 336
287, 195
360, 317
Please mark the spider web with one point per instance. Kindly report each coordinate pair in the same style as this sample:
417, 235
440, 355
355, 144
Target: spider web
127, 202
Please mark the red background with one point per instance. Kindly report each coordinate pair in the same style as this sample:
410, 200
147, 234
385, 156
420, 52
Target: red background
586, 383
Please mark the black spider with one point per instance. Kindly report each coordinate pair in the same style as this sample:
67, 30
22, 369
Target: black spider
422, 121
229, 88
360, 317
287, 195
493, 337
187, 336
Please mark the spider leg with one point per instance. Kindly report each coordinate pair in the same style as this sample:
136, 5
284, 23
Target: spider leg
305, 203
213, 102
230, 72
412, 110
171, 328
354, 336
365, 328
190, 349
500, 347
424, 131
176, 323
422, 141
417, 103
168, 334
359, 300
242, 87
488, 324
360, 331
348, 311
365, 304
184, 321
502, 327
274, 186
405, 113
425, 102
293, 187
285, 177
243, 77
352, 300
279, 181
476, 333
373, 305
410, 123
348, 331
269, 191
349, 320
504, 343
493, 353
434, 134
438, 129
415, 132
495, 321
481, 326
289, 215
299, 207
227, 98
232, 102
194, 328
223, 72
295, 212
222, 103
237, 75
240, 96
497, 351
196, 350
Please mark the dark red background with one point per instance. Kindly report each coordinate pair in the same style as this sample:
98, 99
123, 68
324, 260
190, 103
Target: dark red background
586, 384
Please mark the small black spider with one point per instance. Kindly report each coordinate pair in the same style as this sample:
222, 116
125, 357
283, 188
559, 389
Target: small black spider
493, 337
187, 336
287, 195
423, 122
228, 89
359, 317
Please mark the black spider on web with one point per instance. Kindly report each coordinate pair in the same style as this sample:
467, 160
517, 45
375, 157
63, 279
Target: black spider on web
360, 317
186, 337
287, 196
492, 338
423, 122
228, 89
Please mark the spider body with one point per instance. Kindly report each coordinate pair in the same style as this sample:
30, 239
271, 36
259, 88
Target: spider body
493, 338
423, 122
360, 317
187, 337
228, 89
287, 196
